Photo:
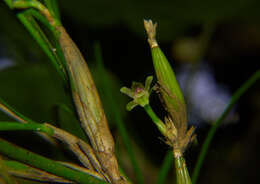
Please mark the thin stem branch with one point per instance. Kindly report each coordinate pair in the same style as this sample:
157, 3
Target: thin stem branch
236, 96
158, 122
11, 112
27, 19
52, 5
40, 162
11, 126
81, 149
20, 170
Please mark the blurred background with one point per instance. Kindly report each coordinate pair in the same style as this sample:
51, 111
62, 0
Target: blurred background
213, 46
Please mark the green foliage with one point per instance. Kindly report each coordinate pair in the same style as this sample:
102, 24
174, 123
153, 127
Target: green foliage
41, 162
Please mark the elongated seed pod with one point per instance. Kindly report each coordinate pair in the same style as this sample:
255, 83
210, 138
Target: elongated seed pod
169, 87
88, 104
176, 133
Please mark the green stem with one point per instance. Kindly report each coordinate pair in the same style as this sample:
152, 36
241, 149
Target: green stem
7, 109
212, 131
20, 170
167, 163
31, 25
52, 5
10, 111
10, 126
27, 19
182, 173
158, 122
38, 16
40, 162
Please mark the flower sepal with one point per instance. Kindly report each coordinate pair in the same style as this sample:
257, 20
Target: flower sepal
139, 93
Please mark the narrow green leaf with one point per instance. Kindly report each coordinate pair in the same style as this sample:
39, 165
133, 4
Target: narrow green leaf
24, 171
52, 5
10, 111
27, 19
236, 96
27, 124
34, 29
40, 162
12, 126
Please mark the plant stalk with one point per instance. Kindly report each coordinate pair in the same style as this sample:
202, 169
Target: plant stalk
182, 173
40, 162
157, 121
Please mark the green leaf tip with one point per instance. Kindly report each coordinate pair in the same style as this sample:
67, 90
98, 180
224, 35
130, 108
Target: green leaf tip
139, 92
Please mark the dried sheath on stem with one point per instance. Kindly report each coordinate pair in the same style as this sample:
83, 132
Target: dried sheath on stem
86, 99
89, 107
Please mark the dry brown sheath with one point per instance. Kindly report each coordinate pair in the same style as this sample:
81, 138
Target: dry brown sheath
89, 107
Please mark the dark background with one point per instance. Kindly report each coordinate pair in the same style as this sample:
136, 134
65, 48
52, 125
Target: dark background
32, 86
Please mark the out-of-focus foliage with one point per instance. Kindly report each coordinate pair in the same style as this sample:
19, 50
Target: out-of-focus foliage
33, 90
14, 35
36, 90
174, 15
113, 94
